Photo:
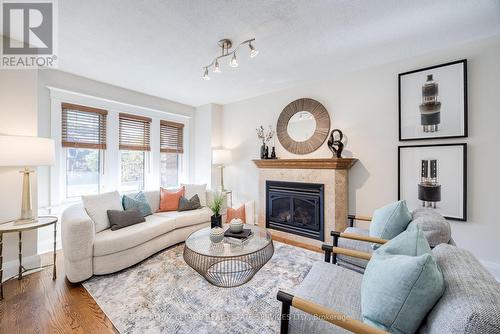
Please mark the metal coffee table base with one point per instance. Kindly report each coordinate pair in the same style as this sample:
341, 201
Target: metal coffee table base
227, 271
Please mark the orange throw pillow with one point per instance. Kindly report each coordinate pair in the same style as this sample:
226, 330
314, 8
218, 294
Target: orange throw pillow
169, 200
236, 213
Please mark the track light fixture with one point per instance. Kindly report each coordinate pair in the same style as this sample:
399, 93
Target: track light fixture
233, 62
205, 74
225, 45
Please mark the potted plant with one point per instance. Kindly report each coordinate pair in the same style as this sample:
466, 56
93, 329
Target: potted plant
216, 207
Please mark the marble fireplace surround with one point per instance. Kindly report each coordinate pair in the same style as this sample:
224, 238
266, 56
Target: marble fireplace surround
333, 173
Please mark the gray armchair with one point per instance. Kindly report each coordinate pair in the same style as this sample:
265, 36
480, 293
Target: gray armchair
328, 300
435, 227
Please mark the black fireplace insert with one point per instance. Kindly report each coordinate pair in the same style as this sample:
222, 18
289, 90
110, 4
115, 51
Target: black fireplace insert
295, 207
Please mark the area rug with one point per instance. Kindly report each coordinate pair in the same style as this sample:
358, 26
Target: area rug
164, 295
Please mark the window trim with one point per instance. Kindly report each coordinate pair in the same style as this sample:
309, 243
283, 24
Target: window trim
111, 181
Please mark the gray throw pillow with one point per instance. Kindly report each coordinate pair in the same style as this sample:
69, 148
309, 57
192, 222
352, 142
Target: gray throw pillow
120, 219
191, 204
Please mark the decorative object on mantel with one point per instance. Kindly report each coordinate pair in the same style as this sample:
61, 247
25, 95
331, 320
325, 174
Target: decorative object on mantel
324, 163
266, 137
26, 152
303, 126
336, 145
226, 44
216, 207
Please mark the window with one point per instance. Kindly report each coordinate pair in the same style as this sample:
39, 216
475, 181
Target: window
134, 146
171, 150
84, 142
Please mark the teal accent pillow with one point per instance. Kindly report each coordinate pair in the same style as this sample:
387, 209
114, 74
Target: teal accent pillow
137, 201
411, 242
398, 290
390, 220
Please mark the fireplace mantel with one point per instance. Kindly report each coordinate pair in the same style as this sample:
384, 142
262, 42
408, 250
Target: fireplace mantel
328, 163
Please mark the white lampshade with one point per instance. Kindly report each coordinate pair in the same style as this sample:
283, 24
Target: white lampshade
26, 151
221, 157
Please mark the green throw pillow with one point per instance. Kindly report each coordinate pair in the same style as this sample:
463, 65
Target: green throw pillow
398, 290
137, 201
390, 220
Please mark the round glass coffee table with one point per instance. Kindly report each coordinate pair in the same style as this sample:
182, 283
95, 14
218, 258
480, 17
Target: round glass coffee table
228, 264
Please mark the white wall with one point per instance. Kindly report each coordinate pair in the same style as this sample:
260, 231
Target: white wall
364, 105
18, 115
207, 135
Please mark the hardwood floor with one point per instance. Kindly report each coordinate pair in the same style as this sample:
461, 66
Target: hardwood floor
37, 304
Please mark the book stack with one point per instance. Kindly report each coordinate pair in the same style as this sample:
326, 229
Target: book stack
238, 238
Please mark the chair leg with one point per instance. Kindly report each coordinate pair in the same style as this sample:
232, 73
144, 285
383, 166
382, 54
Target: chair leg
336, 236
286, 300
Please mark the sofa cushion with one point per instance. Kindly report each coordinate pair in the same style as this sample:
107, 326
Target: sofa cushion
187, 218
436, 229
333, 287
138, 201
390, 220
189, 204
196, 189
361, 246
236, 213
153, 197
108, 242
98, 205
471, 301
398, 291
120, 219
169, 199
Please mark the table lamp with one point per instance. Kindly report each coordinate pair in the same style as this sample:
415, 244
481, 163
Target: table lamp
26, 152
221, 158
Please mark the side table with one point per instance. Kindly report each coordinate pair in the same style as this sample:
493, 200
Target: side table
10, 227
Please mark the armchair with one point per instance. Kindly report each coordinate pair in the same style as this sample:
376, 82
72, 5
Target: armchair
436, 229
328, 300
342, 318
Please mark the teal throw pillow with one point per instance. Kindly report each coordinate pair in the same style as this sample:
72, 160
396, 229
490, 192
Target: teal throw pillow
390, 220
411, 242
398, 290
137, 201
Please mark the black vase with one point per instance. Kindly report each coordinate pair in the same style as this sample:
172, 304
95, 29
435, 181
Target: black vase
216, 221
263, 151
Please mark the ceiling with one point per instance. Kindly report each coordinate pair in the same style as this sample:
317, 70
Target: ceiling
159, 47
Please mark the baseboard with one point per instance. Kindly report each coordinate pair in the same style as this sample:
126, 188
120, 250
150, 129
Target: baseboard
493, 268
11, 268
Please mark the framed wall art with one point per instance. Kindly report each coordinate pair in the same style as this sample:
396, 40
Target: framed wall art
434, 176
433, 102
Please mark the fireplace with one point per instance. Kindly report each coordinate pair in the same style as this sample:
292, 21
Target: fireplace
296, 207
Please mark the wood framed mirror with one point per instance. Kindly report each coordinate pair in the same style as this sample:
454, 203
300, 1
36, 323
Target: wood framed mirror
303, 126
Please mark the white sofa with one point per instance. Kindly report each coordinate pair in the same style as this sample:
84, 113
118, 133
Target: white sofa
88, 253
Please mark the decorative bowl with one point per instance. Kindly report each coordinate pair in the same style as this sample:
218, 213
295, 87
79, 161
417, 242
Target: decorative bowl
236, 225
216, 235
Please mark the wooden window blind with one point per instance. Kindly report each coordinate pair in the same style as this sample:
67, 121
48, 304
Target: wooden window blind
83, 127
171, 137
134, 132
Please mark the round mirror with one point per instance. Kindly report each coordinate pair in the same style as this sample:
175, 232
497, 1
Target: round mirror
301, 126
